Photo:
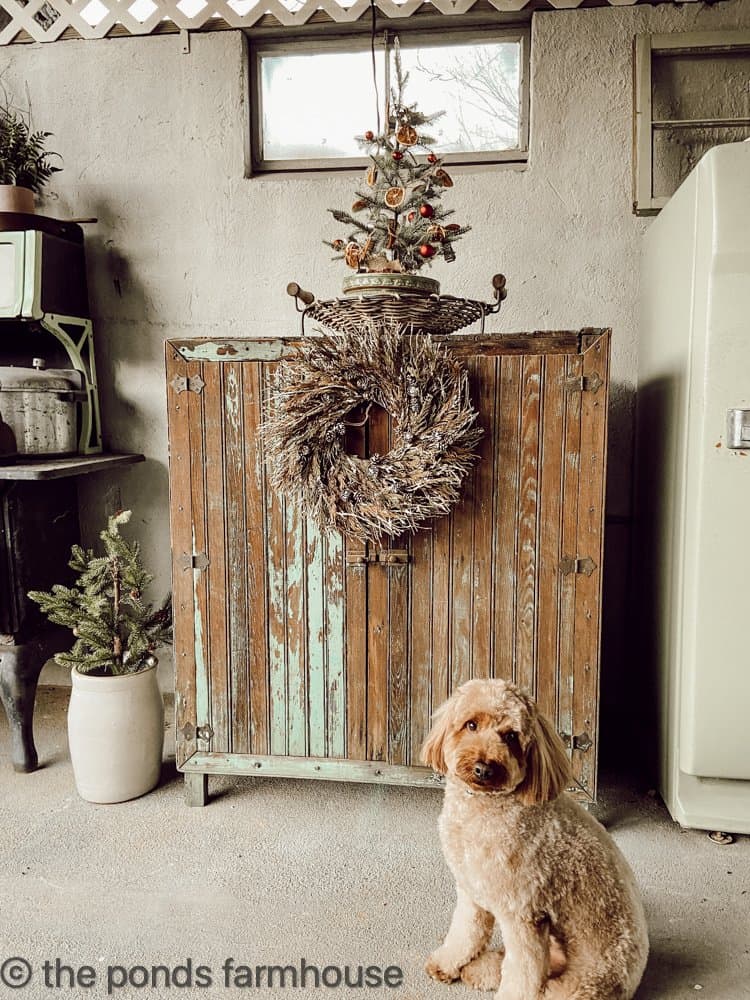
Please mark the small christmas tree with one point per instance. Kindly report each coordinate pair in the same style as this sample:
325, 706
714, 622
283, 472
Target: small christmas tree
397, 222
116, 630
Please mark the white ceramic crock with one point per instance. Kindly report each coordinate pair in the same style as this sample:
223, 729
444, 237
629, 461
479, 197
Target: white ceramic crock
116, 735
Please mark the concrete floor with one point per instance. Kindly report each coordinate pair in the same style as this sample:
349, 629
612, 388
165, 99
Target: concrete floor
274, 871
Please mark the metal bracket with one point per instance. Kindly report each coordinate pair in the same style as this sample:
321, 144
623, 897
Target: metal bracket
582, 741
189, 732
185, 41
585, 383
193, 560
577, 565
181, 383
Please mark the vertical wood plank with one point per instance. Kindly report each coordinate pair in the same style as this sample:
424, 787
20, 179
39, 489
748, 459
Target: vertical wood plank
377, 619
335, 646
590, 543
276, 568
571, 466
442, 612
237, 568
316, 624
420, 639
181, 531
550, 514
462, 570
507, 497
355, 612
528, 509
255, 515
218, 640
196, 418
398, 660
484, 523
296, 632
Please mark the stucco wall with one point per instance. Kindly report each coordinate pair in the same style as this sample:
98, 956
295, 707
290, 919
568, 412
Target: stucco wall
153, 143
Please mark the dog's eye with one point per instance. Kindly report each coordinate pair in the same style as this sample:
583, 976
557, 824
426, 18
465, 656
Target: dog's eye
510, 737
471, 724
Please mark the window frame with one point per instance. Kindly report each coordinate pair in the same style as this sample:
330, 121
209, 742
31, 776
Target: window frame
425, 37
644, 125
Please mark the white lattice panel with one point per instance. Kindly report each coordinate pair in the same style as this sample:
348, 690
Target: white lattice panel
48, 20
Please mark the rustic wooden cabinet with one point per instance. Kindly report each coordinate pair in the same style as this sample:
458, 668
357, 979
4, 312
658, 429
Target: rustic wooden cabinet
302, 654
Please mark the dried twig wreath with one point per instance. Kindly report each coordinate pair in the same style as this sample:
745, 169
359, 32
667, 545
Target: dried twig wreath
434, 431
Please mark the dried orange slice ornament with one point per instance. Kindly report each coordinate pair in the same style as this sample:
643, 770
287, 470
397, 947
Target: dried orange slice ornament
443, 178
372, 176
352, 254
394, 197
407, 135
359, 204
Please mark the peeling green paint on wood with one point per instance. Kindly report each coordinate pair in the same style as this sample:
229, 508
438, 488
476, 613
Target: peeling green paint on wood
316, 639
335, 645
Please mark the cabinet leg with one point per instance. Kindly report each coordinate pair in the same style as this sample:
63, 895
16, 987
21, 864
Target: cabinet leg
196, 788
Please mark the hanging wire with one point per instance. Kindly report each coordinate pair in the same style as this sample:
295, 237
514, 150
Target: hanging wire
373, 33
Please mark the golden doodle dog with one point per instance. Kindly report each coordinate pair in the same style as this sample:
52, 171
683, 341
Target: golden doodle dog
527, 856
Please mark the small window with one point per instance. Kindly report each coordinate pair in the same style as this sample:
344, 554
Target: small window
310, 98
692, 92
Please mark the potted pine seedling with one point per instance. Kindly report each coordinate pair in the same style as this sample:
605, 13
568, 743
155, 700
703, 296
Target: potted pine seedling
116, 713
25, 165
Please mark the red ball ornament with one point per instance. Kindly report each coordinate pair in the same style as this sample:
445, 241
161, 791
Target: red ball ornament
411, 216
369, 135
426, 211
426, 250
397, 155
432, 158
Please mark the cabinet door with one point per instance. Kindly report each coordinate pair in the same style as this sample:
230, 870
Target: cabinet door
301, 653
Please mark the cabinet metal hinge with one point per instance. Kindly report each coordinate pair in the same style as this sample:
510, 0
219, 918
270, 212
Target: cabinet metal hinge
585, 566
183, 383
386, 557
585, 383
193, 560
582, 741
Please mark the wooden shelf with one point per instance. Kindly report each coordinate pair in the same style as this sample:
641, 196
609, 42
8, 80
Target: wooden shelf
72, 465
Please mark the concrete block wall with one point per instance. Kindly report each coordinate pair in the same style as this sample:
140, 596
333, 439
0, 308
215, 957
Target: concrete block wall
154, 146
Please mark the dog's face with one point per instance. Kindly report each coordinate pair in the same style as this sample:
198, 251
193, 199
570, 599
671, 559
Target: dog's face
490, 736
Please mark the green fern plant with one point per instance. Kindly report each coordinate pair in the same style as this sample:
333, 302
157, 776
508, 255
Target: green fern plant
24, 161
116, 630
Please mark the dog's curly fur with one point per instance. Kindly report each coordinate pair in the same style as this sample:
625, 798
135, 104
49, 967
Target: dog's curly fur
525, 855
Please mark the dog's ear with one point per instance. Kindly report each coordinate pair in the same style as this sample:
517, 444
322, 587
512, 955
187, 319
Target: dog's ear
432, 750
547, 764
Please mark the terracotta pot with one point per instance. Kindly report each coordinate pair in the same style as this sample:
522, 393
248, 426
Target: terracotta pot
116, 735
16, 199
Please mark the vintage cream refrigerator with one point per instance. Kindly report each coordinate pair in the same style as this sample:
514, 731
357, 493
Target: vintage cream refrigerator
692, 556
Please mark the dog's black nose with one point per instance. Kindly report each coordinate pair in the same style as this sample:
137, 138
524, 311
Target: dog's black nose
483, 771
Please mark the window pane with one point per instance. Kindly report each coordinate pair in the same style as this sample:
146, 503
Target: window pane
478, 87
700, 85
314, 103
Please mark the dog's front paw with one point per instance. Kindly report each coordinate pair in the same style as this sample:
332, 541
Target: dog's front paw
440, 967
484, 972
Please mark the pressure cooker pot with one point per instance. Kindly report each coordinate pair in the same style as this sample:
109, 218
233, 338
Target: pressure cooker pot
39, 407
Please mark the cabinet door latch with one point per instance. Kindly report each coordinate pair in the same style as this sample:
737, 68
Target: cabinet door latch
386, 557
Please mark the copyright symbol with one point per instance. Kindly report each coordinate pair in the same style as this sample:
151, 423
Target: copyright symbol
15, 973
